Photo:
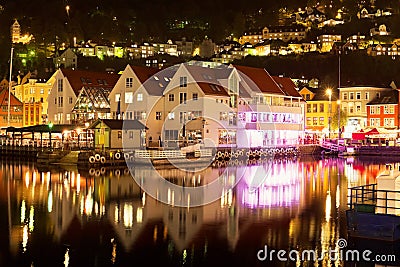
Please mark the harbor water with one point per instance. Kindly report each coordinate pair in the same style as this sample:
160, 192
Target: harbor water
62, 216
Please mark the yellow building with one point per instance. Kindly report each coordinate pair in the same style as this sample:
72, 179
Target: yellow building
34, 92
321, 107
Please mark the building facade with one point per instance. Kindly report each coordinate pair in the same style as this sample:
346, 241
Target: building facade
68, 59
35, 92
15, 113
383, 112
320, 110
354, 102
64, 105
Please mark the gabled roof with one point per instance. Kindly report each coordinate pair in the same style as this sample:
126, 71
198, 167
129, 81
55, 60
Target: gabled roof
307, 88
4, 96
81, 78
287, 85
321, 95
159, 81
120, 124
261, 79
208, 75
144, 73
391, 97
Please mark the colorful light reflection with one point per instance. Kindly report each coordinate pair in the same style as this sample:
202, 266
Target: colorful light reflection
280, 188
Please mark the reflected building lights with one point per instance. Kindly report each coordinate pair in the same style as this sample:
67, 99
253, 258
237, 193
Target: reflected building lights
78, 183
50, 201
25, 236
23, 211
286, 184
116, 215
66, 258
139, 215
328, 207
226, 198
337, 196
128, 215
114, 251
280, 188
73, 179
31, 219
89, 202
34, 179
155, 233
27, 179
48, 180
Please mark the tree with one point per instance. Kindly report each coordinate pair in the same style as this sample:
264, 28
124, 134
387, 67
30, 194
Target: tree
335, 118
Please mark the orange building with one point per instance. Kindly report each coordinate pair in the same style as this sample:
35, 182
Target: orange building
32, 114
16, 111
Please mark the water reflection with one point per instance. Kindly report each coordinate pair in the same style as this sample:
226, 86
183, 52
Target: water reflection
103, 218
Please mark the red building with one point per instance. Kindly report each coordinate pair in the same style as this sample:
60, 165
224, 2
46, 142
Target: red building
383, 112
16, 110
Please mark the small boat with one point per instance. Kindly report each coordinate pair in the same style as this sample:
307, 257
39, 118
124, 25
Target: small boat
374, 209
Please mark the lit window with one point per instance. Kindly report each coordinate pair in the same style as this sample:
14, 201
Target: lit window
139, 97
128, 97
117, 97
158, 115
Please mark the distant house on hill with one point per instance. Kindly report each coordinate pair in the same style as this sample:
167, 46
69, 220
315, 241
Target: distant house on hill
68, 60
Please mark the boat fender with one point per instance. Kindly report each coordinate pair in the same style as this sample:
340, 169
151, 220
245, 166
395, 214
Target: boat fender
92, 159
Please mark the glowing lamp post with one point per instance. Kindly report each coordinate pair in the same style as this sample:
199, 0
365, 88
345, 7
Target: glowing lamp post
329, 93
50, 128
338, 120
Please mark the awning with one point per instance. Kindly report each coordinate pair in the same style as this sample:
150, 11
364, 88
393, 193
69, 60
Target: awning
358, 135
373, 134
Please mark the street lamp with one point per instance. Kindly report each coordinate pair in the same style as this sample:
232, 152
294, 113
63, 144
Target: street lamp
338, 120
329, 93
50, 128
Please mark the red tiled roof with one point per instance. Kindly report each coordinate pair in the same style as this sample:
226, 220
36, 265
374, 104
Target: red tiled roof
80, 78
287, 85
144, 73
261, 79
212, 89
4, 96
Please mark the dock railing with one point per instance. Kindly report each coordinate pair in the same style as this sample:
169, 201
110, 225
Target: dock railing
367, 198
